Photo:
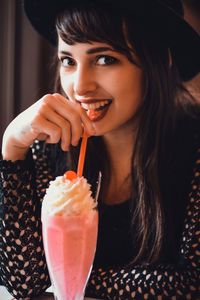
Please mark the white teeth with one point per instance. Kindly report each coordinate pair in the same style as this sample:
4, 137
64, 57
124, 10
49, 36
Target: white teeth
96, 105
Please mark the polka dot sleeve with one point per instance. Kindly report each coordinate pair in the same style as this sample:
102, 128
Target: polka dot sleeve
23, 267
160, 282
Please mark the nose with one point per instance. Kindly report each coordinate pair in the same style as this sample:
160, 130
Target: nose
84, 81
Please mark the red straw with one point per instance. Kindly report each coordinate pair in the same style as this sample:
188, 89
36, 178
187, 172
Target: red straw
81, 160
71, 174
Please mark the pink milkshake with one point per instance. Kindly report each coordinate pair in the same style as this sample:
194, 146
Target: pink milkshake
70, 225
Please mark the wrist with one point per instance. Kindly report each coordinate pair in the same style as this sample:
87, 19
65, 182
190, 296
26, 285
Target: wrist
13, 152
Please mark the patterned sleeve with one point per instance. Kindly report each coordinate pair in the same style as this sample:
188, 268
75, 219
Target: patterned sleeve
160, 282
23, 267
22, 263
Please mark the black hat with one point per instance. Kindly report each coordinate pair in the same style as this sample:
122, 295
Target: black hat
183, 41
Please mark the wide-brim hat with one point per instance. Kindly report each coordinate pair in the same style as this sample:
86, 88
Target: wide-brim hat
183, 40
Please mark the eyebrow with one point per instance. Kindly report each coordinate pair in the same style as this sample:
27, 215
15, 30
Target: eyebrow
91, 51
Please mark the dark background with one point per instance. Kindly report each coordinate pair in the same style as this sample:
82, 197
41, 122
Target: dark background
26, 70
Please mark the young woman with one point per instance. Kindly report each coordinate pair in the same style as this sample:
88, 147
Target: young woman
126, 62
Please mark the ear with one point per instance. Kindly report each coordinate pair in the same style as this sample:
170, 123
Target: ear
170, 58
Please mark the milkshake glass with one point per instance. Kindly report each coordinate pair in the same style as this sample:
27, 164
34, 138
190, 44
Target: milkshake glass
70, 226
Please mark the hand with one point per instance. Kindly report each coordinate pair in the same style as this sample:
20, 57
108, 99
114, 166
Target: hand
53, 118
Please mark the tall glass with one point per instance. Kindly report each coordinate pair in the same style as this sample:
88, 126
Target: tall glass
70, 244
70, 235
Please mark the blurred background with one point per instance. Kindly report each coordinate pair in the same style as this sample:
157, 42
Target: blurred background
25, 63
26, 60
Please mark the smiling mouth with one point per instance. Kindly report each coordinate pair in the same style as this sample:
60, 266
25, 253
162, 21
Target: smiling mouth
96, 106
96, 110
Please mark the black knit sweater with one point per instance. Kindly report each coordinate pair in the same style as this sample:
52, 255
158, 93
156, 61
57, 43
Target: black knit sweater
23, 268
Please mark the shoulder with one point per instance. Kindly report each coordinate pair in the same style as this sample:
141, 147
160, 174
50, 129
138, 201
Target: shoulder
181, 157
186, 142
186, 138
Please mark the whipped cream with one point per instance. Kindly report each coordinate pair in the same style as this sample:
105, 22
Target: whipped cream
65, 197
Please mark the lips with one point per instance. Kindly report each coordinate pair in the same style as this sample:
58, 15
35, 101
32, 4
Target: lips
97, 108
97, 115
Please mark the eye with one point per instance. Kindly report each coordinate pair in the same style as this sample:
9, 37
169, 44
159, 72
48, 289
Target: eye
104, 60
67, 61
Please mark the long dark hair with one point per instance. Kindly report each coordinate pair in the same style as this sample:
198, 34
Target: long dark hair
161, 85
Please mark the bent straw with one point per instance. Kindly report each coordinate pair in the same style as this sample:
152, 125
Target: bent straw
81, 160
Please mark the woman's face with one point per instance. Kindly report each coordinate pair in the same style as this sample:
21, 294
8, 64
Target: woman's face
103, 81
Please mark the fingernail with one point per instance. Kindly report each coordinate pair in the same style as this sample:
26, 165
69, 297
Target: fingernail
65, 147
75, 143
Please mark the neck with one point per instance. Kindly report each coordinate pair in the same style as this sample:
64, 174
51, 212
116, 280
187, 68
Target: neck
120, 146
120, 150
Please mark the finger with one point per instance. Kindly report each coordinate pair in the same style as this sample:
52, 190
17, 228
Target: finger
86, 122
42, 126
53, 107
61, 97
83, 114
42, 137
67, 137
71, 111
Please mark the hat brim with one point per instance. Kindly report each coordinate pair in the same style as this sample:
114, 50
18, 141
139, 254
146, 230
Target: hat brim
183, 41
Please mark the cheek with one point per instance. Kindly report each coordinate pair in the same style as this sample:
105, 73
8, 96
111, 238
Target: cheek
127, 82
62, 81
65, 84
129, 88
